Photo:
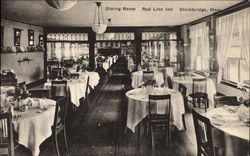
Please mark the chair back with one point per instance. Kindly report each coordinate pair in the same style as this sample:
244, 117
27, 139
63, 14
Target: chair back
58, 89
55, 73
203, 133
155, 100
74, 75
170, 83
148, 75
6, 134
199, 85
183, 90
40, 93
225, 100
180, 74
87, 88
60, 113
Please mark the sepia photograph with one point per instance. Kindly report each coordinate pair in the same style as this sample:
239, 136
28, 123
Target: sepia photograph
125, 78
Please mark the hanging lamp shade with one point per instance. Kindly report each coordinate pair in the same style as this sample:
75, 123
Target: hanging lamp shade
61, 5
110, 35
98, 26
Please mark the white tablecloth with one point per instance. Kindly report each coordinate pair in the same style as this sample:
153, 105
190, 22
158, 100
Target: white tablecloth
233, 134
137, 78
34, 127
76, 88
188, 82
93, 78
5, 89
233, 125
105, 66
138, 106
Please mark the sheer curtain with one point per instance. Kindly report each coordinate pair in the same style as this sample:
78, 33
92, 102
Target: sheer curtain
199, 37
224, 31
244, 32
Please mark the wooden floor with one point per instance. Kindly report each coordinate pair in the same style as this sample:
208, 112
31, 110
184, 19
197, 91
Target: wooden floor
98, 129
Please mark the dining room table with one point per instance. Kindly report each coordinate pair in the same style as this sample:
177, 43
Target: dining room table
33, 125
188, 82
138, 106
137, 78
94, 77
76, 88
230, 128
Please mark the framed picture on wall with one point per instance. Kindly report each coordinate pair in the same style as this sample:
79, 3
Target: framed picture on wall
17, 36
31, 37
40, 38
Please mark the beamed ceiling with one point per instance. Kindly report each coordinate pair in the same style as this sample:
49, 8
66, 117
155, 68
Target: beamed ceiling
122, 13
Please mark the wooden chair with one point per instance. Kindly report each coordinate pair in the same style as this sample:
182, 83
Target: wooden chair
199, 93
161, 121
81, 100
55, 73
170, 83
40, 93
59, 122
58, 89
183, 90
202, 126
147, 75
225, 100
74, 76
86, 91
6, 135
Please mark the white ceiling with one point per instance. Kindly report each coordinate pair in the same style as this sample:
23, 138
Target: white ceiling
40, 13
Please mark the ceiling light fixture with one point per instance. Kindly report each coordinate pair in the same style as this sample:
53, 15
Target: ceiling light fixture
109, 35
61, 5
99, 27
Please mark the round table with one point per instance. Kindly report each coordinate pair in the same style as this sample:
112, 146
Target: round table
137, 78
138, 106
229, 131
34, 125
188, 82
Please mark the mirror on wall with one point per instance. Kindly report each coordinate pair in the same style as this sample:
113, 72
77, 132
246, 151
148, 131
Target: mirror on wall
17, 36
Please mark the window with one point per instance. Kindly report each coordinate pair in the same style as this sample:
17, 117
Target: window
199, 47
159, 48
236, 69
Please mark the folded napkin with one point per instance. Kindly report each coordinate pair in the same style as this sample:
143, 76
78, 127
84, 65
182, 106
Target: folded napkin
5, 102
243, 110
45, 103
28, 101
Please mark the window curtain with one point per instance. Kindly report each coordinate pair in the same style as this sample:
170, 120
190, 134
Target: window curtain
244, 32
224, 32
199, 36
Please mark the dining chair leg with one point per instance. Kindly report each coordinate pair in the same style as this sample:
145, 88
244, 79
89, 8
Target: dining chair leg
65, 138
56, 145
138, 139
184, 122
152, 137
153, 151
